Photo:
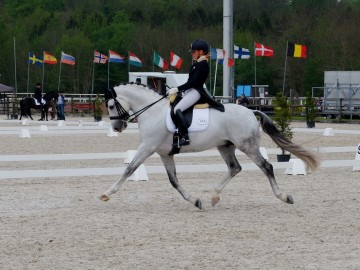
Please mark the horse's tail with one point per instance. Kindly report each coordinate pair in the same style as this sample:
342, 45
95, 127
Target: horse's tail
310, 159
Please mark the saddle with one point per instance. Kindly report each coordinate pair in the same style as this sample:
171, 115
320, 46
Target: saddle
196, 118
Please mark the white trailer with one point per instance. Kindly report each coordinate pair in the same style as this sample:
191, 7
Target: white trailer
158, 81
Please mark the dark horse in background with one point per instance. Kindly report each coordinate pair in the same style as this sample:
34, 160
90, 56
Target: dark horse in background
29, 103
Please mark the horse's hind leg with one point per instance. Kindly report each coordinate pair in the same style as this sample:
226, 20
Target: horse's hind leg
228, 154
267, 168
169, 164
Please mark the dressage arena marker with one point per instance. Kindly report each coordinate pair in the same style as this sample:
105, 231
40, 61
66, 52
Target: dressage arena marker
44, 128
264, 153
357, 157
80, 123
140, 174
25, 122
61, 123
112, 133
329, 132
101, 123
25, 133
297, 166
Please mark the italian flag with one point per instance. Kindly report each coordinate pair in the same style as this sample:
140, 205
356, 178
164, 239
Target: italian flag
175, 60
160, 62
134, 60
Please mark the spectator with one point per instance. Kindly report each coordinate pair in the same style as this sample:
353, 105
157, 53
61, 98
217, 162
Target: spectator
243, 100
60, 104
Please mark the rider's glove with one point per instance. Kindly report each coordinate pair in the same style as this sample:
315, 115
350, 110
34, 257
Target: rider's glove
172, 91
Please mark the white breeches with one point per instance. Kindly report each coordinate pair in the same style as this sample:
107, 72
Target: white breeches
190, 97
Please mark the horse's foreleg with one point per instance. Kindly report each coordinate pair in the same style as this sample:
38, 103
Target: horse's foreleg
267, 168
139, 158
228, 154
169, 164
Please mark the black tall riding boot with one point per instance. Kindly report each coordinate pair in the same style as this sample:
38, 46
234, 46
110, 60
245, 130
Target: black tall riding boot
183, 130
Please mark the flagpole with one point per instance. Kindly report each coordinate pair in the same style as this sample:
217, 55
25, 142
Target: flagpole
108, 70
28, 78
43, 74
287, 46
154, 61
217, 61
92, 83
59, 73
129, 61
255, 63
210, 67
15, 66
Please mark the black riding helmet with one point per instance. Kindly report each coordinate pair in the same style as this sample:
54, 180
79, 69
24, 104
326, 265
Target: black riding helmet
200, 44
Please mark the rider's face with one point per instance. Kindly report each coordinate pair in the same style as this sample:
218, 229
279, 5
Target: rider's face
195, 54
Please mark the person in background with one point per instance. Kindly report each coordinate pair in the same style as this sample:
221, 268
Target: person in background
60, 104
243, 100
53, 108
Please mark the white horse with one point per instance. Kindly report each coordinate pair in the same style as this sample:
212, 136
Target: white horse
237, 127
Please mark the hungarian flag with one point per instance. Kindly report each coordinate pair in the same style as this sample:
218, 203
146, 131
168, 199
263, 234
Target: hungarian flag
296, 50
134, 60
160, 62
100, 58
262, 50
175, 60
49, 59
67, 59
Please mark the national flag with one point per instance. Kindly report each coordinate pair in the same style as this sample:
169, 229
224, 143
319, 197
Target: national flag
217, 53
296, 50
67, 59
160, 62
175, 60
49, 59
35, 60
100, 58
115, 57
241, 53
228, 61
262, 50
134, 60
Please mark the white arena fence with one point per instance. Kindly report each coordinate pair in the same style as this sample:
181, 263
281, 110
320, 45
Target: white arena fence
27, 128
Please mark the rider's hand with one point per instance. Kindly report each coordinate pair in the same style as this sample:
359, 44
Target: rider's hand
172, 91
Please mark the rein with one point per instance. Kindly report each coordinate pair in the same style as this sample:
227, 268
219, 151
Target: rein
124, 116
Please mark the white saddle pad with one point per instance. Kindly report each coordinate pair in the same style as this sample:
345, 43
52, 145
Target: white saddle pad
37, 103
200, 121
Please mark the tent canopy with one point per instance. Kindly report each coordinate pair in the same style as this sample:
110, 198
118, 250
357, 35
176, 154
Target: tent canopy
6, 89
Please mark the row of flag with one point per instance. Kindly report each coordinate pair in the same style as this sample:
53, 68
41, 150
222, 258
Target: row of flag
293, 50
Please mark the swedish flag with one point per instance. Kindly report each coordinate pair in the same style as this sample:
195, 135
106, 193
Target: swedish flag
35, 60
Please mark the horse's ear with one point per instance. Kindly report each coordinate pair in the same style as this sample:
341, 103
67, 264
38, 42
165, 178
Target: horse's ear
109, 93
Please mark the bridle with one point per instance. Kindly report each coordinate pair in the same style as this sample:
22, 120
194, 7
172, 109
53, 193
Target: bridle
123, 115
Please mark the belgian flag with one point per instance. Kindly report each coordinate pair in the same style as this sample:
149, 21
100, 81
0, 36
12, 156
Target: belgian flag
296, 50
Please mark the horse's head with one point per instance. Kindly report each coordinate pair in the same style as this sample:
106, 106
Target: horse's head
118, 109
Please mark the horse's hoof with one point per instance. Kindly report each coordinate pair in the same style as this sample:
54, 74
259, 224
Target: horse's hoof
289, 199
104, 198
198, 204
215, 200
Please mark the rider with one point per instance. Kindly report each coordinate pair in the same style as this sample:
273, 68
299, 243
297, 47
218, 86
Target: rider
38, 93
193, 89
